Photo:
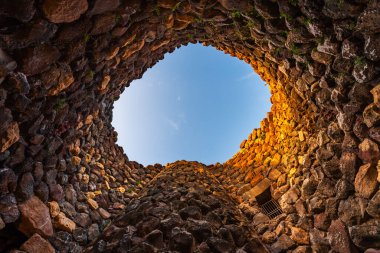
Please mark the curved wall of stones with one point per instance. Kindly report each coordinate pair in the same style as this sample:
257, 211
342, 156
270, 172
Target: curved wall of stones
63, 180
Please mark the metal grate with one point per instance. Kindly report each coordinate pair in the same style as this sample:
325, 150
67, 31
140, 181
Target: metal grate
271, 208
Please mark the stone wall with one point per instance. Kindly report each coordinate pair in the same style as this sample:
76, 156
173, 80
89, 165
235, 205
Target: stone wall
65, 185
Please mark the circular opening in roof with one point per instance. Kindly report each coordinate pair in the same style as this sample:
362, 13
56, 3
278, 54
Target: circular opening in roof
196, 104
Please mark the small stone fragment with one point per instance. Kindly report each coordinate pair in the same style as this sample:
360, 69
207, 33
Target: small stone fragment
54, 209
300, 236
64, 223
369, 151
282, 244
366, 235
182, 242
101, 6
92, 203
363, 71
373, 207
8, 208
76, 160
104, 213
37, 244
339, 238
366, 180
22, 10
371, 115
8, 181
10, 136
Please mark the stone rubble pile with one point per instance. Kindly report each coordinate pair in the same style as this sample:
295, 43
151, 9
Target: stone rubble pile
184, 209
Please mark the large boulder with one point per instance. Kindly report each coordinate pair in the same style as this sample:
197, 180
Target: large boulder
64, 11
35, 218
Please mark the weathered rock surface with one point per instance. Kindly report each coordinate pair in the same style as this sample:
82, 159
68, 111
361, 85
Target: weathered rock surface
63, 11
366, 181
36, 244
35, 218
9, 136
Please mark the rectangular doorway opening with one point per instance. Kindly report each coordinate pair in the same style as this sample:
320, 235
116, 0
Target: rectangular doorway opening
268, 205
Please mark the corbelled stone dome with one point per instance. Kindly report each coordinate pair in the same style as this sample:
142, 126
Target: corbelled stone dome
307, 180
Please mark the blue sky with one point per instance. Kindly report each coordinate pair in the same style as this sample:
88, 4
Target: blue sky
196, 104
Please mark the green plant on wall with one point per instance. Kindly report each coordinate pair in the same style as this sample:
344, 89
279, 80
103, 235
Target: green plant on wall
277, 51
352, 26
254, 13
306, 21
236, 14
250, 24
284, 33
302, 65
60, 104
293, 2
175, 7
239, 34
197, 20
157, 10
360, 60
295, 49
86, 38
117, 18
337, 3
320, 40
286, 16
90, 74
132, 188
